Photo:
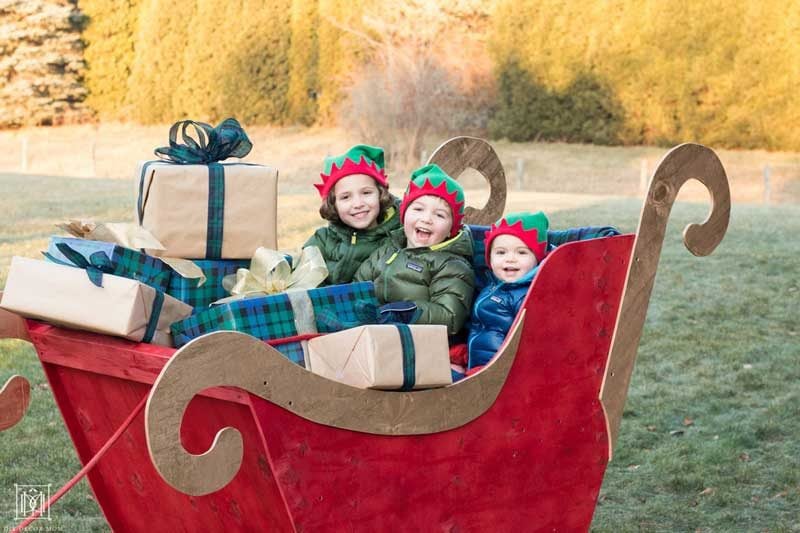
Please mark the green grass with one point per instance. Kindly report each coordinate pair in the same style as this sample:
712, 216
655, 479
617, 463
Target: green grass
720, 348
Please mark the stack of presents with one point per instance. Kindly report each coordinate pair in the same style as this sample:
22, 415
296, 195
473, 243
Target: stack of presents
202, 258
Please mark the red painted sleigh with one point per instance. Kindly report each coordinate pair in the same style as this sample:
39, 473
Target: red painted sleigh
522, 445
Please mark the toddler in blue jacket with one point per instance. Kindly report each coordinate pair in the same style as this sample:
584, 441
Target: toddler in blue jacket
515, 245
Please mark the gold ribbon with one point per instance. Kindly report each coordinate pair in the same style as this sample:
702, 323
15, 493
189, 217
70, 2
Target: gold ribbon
131, 236
270, 273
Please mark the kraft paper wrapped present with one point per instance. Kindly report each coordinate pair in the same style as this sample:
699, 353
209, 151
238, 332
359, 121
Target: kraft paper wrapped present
71, 297
127, 263
198, 296
280, 315
383, 357
199, 208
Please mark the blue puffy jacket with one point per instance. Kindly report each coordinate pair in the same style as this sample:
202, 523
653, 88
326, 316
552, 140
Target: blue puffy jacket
492, 315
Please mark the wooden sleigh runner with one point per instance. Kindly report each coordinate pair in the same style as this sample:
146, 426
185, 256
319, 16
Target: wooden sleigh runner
523, 444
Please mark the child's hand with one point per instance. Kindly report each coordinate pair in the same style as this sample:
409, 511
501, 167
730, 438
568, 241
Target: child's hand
398, 313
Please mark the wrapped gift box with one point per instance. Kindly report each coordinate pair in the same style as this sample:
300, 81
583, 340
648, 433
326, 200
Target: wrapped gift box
281, 315
383, 357
187, 290
215, 211
128, 263
65, 296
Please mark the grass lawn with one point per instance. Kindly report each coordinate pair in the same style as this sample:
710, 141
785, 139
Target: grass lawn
709, 439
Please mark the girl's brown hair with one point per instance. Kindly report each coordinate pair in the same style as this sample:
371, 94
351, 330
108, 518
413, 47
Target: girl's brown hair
328, 208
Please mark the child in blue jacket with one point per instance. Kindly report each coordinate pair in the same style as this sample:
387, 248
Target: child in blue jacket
515, 246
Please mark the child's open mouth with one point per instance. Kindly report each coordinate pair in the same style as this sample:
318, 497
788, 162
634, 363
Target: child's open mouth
422, 234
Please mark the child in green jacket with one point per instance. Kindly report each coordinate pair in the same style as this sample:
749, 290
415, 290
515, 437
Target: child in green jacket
359, 209
423, 273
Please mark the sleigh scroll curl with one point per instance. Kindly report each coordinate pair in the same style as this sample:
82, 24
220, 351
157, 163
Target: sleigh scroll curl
682, 163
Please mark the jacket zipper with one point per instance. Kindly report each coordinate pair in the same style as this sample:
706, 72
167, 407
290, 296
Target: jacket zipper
476, 306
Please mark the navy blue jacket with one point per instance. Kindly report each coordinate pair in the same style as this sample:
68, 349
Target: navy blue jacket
492, 315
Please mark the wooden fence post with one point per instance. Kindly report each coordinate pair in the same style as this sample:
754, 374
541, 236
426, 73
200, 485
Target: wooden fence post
644, 179
24, 155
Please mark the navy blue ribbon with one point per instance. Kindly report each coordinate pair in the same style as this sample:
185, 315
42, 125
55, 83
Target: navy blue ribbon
216, 210
228, 139
409, 357
97, 264
155, 313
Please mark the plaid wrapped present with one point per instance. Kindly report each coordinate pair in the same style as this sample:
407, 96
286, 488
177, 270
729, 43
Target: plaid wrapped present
126, 262
187, 291
280, 315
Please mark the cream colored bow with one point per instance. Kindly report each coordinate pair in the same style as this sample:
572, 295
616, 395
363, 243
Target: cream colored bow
270, 273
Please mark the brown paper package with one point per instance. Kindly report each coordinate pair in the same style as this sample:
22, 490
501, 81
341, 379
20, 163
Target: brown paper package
176, 209
64, 296
371, 357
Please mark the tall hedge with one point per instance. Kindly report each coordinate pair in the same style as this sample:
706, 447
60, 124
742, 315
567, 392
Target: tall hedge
719, 72
109, 29
157, 70
341, 50
304, 62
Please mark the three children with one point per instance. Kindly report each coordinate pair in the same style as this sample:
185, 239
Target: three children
419, 254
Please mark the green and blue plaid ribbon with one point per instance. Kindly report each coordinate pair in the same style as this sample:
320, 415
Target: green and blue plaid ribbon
155, 314
95, 266
409, 357
127, 263
228, 139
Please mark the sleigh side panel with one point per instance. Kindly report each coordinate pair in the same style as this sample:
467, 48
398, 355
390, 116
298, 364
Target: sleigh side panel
534, 460
95, 398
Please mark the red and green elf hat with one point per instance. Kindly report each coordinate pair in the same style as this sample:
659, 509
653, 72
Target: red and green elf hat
360, 159
432, 180
530, 228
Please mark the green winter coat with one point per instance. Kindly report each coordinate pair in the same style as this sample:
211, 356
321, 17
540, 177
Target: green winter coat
438, 279
345, 248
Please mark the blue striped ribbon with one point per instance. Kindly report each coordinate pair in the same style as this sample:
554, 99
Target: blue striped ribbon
409, 357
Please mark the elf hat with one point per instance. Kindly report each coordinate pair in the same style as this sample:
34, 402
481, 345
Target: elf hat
360, 159
432, 180
530, 228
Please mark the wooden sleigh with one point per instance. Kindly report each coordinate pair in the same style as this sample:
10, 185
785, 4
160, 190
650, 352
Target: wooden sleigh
522, 445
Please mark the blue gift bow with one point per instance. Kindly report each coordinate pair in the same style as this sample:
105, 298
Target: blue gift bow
228, 139
98, 264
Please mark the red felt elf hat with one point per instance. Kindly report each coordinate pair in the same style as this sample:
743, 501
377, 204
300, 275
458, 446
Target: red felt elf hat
432, 180
360, 159
530, 228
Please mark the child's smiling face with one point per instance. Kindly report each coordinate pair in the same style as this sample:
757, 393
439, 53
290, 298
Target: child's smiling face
511, 258
427, 221
357, 201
